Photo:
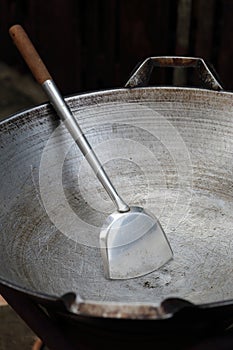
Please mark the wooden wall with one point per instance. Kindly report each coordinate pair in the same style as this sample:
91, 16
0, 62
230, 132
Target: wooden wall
95, 44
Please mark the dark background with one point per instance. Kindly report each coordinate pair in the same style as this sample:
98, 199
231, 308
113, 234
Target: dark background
95, 44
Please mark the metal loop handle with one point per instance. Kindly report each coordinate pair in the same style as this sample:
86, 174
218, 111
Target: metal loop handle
142, 75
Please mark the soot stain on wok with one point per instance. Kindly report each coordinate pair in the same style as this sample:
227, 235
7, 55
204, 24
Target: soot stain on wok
148, 284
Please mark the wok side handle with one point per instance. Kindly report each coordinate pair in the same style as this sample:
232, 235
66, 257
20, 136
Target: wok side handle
141, 76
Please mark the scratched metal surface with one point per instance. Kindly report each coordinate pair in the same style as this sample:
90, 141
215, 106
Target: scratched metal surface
169, 150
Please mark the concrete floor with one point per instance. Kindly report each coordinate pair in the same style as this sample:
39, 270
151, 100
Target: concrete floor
17, 92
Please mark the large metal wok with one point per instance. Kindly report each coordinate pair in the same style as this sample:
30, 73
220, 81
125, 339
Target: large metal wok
167, 149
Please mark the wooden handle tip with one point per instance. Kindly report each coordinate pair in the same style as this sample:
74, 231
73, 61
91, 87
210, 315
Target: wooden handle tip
29, 53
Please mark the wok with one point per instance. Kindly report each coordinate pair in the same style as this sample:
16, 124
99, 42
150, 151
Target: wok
172, 148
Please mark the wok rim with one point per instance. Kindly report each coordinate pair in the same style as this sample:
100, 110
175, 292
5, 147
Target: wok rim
42, 296
89, 94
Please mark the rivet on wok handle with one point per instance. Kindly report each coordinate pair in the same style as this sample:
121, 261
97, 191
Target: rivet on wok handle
142, 74
29, 54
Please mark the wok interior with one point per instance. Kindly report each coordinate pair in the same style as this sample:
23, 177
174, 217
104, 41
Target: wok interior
168, 150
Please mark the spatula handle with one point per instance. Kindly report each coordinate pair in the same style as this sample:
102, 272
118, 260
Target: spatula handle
29, 53
43, 77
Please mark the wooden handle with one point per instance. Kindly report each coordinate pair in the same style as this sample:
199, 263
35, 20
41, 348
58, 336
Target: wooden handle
29, 53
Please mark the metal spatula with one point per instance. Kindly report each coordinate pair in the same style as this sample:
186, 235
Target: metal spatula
132, 240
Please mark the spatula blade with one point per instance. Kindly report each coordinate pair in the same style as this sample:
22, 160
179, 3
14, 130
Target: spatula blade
133, 244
